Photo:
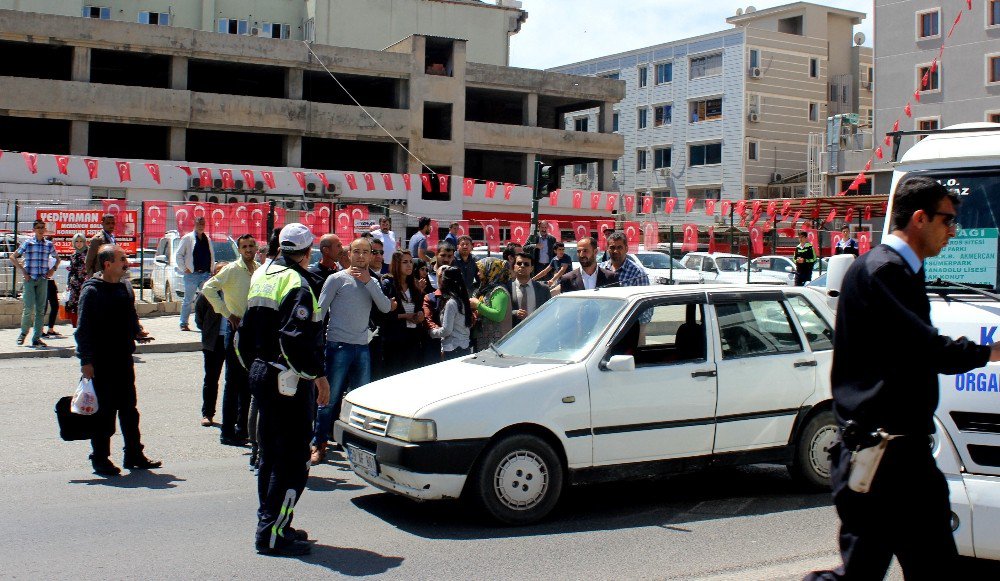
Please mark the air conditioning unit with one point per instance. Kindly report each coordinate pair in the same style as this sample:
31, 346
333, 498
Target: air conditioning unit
194, 198
331, 188
238, 185
311, 187
616, 175
867, 85
756, 73
218, 183
663, 172
254, 31
581, 178
194, 183
753, 117
776, 177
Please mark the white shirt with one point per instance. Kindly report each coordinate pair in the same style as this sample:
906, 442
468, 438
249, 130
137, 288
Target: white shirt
589, 280
388, 243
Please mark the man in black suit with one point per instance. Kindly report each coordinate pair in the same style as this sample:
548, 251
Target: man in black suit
886, 359
589, 275
545, 248
527, 295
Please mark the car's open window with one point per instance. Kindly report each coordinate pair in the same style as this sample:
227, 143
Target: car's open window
755, 327
565, 328
664, 333
818, 331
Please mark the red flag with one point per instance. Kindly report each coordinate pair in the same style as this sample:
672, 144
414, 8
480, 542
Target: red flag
352, 181
205, 177
854, 185
408, 182
468, 187
301, 178
387, 180
577, 198
741, 207
154, 171
611, 203
835, 238
954, 24
868, 212
248, 179
218, 222
602, 239
767, 227
878, 152
688, 205
581, 230
555, 228
812, 235
62, 162
425, 179
115, 207
868, 165
323, 179
772, 207
848, 215
861, 178
726, 206
710, 207
798, 215
757, 240
554, 198
184, 218
711, 238
227, 179
916, 94
443, 182
432, 237
815, 212
647, 204
629, 203
124, 171
895, 126
743, 219
324, 213
519, 232
279, 217
491, 231
888, 140
369, 182
508, 189
186, 169
786, 207
864, 242
92, 167
491, 190
650, 234
31, 160
831, 216
269, 179
344, 224
358, 212
690, 242
669, 204
239, 219
908, 110
595, 200
934, 62
156, 218
463, 227
632, 233
755, 207
258, 221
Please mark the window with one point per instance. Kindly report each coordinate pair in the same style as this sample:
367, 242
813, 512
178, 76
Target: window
232, 26
274, 30
614, 165
664, 73
614, 75
579, 168
749, 328
814, 68
705, 154
661, 157
664, 334
161, 18
643, 118
752, 150
614, 122
869, 78
993, 116
662, 115
642, 76
640, 160
933, 78
818, 331
993, 13
928, 24
580, 124
928, 124
706, 110
814, 111
99, 12
754, 58
706, 66
992, 69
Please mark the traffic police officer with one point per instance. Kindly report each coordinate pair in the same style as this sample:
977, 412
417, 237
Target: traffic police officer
278, 342
805, 259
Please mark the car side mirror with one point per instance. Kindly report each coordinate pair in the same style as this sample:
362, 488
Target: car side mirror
789, 269
620, 363
161, 259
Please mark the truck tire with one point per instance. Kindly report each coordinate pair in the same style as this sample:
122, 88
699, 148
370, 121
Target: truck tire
811, 464
518, 480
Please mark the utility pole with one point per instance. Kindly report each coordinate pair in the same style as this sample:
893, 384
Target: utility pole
540, 189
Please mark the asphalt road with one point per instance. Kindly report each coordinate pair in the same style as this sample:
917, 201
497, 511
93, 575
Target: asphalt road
194, 518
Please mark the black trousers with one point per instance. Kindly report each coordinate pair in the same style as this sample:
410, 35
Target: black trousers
907, 514
52, 297
213, 370
284, 430
114, 383
235, 398
803, 274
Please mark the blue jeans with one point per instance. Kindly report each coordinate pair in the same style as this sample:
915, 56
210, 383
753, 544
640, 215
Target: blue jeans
192, 284
34, 296
348, 366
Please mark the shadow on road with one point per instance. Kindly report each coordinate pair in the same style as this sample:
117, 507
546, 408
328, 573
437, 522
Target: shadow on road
351, 562
325, 484
669, 503
136, 479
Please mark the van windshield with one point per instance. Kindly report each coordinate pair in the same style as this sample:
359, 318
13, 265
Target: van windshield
971, 257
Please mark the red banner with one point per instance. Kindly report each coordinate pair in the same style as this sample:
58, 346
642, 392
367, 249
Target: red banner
30, 160
757, 240
92, 166
408, 182
345, 225
300, 177
248, 178
491, 190
581, 230
184, 218
324, 180
491, 231
468, 187
442, 183
835, 238
154, 171
155, 225
62, 163
647, 204
669, 204
387, 180
269, 179
519, 232
257, 226
650, 235
612, 202
690, 240
124, 171
688, 205
463, 227
632, 233
629, 203
369, 182
228, 182
205, 177
62, 224
433, 236
741, 207
508, 189
554, 198
726, 205
595, 200
864, 242
352, 181
602, 227
710, 207
577, 199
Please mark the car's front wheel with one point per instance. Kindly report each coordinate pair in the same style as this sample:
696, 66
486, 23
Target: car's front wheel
519, 479
811, 464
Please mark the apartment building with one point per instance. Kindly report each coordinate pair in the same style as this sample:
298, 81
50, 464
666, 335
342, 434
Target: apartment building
728, 115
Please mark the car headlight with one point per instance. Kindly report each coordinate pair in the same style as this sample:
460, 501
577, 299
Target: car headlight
411, 430
345, 412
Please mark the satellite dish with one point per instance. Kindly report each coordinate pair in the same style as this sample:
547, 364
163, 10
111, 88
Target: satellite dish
750, 10
859, 39
739, 12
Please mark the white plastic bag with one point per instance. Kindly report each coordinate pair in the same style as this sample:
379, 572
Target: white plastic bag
85, 399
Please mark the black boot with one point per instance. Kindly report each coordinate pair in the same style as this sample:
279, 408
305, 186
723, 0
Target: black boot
141, 462
104, 467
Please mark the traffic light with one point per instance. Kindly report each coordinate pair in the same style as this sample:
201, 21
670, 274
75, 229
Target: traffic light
545, 178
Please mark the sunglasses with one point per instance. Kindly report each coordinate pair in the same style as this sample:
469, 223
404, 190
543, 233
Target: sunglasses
949, 219
522, 264
378, 251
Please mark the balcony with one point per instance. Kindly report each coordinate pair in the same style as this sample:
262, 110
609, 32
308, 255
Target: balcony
548, 142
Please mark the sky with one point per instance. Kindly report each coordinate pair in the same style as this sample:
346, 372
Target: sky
559, 32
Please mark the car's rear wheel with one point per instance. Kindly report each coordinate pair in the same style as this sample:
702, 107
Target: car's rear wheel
811, 464
519, 479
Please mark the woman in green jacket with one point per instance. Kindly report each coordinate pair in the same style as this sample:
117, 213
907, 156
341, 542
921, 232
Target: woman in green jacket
491, 302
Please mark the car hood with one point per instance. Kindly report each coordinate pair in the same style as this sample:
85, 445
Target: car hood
678, 272
407, 393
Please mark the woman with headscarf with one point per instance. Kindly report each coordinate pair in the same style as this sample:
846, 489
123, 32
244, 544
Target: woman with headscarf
77, 275
456, 314
491, 301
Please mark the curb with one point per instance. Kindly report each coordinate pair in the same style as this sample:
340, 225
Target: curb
67, 352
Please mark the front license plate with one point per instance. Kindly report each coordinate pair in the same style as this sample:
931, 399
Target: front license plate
363, 459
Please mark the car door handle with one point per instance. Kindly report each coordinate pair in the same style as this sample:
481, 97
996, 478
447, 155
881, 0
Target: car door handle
809, 363
706, 373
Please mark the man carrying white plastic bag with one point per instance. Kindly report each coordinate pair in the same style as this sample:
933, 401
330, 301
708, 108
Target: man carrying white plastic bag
84, 399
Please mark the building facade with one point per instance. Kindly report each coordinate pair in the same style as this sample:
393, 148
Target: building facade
728, 115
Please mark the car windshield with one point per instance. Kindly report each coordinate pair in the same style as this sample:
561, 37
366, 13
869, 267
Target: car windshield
224, 251
571, 253
563, 329
730, 263
658, 260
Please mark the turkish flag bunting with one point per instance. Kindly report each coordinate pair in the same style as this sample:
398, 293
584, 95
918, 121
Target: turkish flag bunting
248, 179
269, 179
581, 230
647, 204
279, 217
785, 208
916, 94
854, 185
323, 179
199, 210
743, 219
443, 183
352, 181
257, 226
711, 238
301, 178
31, 160
369, 182
468, 187
726, 205
186, 169
868, 165
115, 207
425, 179
358, 212
205, 177
432, 238
227, 179
156, 218
62, 162
408, 182
864, 242
741, 207
508, 189
577, 199
815, 213
92, 167
387, 180
344, 226
154, 171
908, 110
848, 215
629, 203
772, 207
861, 178
554, 198
812, 235
595, 200
767, 227
519, 232
831, 216
239, 219
491, 231
612, 202
878, 152
124, 171
491, 190
632, 233
888, 140
835, 238
868, 212
688, 205
184, 218
755, 207
757, 240
602, 239
954, 24
935, 61
218, 228
669, 204
650, 234
710, 207
463, 227
798, 215
690, 240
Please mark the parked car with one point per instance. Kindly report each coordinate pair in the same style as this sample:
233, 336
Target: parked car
146, 257
168, 281
658, 267
604, 385
728, 268
783, 265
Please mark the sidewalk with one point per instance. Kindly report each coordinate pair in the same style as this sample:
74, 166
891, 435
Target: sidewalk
168, 339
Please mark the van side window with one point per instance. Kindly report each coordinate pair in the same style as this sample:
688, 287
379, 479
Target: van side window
663, 334
749, 328
818, 331
162, 248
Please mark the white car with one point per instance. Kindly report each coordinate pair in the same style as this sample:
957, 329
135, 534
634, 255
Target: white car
775, 263
147, 258
603, 385
728, 268
168, 282
658, 267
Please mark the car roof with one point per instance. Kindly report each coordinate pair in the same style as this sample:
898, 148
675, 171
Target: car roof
715, 254
630, 292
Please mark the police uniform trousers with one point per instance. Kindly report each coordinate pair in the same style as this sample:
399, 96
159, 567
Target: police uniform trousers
803, 274
906, 513
235, 397
284, 429
114, 384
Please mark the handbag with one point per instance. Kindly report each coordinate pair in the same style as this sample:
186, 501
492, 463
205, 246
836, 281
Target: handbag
74, 426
